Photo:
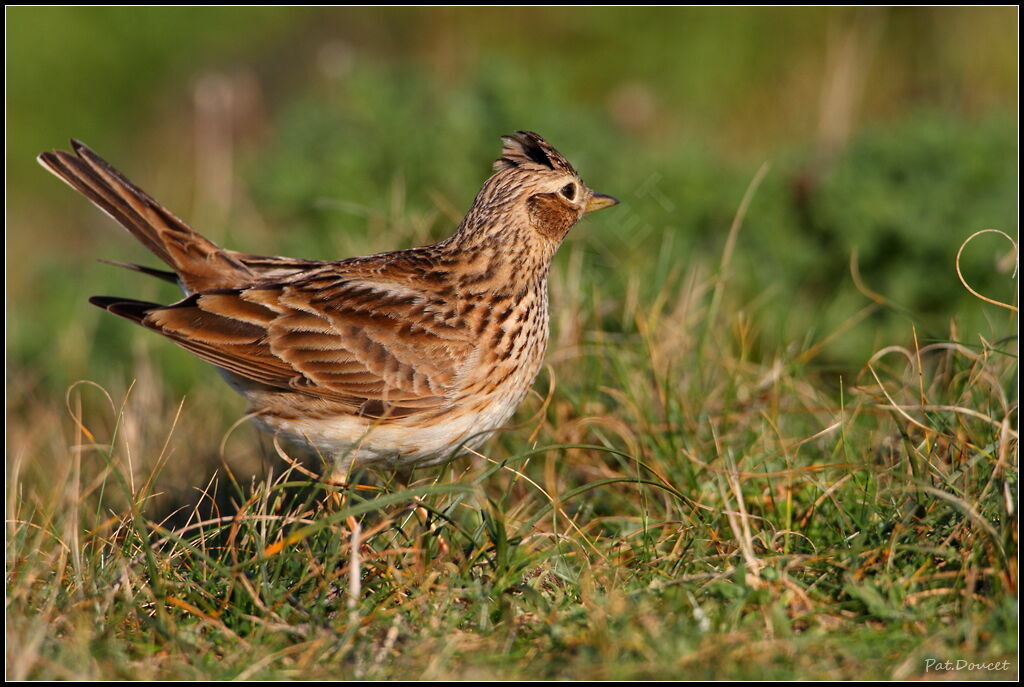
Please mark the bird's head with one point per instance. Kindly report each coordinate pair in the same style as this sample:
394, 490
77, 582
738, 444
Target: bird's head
544, 185
533, 188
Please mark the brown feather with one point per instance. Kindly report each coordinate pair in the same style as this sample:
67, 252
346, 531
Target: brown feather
439, 341
552, 214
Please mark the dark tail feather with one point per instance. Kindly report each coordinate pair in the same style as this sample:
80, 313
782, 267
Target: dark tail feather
159, 274
127, 308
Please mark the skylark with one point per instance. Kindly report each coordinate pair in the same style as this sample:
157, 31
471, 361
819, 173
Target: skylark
398, 360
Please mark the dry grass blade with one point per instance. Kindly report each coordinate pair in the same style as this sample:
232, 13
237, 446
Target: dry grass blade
1016, 264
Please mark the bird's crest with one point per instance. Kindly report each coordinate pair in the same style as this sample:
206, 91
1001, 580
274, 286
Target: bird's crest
527, 150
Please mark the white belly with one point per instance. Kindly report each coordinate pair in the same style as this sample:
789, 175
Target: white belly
351, 442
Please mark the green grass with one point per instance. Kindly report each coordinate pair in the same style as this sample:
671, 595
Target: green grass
776, 446
669, 509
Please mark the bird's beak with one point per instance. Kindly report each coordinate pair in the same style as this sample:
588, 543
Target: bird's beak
599, 201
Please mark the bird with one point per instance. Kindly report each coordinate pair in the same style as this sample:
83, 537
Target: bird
395, 361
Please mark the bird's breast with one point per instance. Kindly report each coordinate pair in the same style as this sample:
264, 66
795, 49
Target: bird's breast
512, 334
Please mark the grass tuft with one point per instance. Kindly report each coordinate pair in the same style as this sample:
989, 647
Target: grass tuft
672, 507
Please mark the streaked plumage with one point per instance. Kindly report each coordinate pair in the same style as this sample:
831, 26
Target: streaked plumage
396, 359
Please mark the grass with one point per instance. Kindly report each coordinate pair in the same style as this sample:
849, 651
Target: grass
669, 509
770, 442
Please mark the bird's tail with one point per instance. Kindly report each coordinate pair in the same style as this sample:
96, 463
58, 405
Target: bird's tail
199, 263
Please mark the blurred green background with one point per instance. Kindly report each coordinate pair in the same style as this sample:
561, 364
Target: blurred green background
325, 133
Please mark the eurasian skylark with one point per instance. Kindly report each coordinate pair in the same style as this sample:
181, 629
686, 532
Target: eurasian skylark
396, 360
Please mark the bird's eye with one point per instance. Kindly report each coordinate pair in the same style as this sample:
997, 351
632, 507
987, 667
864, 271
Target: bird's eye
569, 191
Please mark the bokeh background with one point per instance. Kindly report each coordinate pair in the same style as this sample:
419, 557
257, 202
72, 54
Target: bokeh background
891, 136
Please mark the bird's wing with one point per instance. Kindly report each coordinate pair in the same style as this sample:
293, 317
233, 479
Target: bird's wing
383, 348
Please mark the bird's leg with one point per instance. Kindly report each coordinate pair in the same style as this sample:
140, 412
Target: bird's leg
403, 479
